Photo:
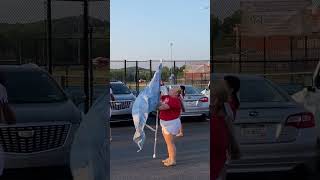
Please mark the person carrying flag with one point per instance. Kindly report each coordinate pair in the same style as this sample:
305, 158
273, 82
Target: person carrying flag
170, 110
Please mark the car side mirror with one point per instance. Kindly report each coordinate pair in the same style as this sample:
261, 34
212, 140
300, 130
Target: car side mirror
134, 92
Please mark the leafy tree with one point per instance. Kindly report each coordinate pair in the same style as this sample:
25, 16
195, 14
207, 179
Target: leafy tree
230, 22
215, 27
165, 73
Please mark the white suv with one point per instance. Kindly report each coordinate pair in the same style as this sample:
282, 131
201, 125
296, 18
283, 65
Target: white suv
122, 106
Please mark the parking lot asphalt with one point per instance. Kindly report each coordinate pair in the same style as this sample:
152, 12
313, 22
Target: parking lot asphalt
192, 155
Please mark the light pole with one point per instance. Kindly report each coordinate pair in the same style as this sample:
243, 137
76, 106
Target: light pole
171, 45
174, 65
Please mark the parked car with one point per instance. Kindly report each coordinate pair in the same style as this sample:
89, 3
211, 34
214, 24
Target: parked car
124, 99
274, 131
195, 103
309, 97
46, 120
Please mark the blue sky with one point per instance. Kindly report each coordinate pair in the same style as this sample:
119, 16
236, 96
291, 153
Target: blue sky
143, 29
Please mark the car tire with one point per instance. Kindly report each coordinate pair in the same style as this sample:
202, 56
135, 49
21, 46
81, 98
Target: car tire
64, 172
203, 118
309, 169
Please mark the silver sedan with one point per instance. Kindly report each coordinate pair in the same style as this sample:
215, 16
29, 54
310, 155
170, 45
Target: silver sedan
195, 103
275, 133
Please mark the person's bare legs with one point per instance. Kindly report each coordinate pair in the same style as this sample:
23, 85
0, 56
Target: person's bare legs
167, 159
180, 132
171, 149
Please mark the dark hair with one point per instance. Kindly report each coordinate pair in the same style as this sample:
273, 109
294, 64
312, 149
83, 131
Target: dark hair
234, 83
183, 88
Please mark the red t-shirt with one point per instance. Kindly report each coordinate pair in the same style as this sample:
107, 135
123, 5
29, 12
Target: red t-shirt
234, 106
219, 143
175, 108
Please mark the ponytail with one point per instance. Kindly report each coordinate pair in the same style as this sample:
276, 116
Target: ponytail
237, 101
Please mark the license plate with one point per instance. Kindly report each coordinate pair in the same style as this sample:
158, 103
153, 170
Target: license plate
253, 132
191, 103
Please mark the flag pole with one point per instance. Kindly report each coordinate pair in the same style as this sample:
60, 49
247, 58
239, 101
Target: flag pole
156, 131
155, 136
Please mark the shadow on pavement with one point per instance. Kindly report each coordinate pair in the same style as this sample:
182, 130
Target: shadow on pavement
55, 173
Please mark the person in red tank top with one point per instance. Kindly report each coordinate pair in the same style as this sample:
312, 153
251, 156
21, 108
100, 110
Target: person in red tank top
222, 133
170, 110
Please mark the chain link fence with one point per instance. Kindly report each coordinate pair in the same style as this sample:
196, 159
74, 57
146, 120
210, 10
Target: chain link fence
137, 74
50, 33
288, 60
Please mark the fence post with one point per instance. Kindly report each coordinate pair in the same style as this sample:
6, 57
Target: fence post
49, 36
240, 60
185, 73
306, 54
125, 71
264, 56
85, 56
192, 79
137, 77
150, 69
201, 82
291, 59
91, 82
306, 46
174, 72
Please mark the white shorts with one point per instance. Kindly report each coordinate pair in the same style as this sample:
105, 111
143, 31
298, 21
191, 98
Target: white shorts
171, 127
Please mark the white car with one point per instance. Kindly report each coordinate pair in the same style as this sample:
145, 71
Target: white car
310, 98
196, 104
124, 99
275, 132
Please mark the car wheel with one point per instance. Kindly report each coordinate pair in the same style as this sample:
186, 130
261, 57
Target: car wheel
65, 172
308, 169
203, 118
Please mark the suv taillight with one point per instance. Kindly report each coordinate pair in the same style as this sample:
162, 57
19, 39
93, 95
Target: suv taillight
301, 120
204, 99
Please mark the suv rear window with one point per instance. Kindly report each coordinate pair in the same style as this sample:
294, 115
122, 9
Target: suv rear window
119, 88
32, 87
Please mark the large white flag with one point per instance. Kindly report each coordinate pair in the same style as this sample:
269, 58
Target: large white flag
88, 158
146, 102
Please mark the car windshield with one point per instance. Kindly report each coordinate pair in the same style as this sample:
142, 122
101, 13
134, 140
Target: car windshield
260, 91
32, 87
190, 90
119, 88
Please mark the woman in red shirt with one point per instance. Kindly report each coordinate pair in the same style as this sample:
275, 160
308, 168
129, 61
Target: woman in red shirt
222, 133
170, 110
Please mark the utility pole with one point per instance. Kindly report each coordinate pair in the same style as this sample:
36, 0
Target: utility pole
85, 56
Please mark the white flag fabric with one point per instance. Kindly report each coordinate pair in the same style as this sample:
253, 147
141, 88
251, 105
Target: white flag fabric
88, 158
146, 102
